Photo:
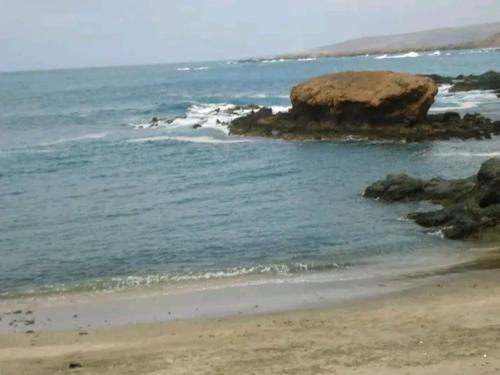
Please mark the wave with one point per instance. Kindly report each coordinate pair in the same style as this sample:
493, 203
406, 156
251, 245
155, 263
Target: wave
470, 154
199, 139
272, 61
280, 108
273, 269
307, 59
478, 50
402, 56
458, 106
435, 53
439, 234
456, 101
241, 276
187, 68
85, 137
207, 116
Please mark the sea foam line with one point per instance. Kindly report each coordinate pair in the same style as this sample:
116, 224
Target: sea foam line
200, 139
402, 56
84, 137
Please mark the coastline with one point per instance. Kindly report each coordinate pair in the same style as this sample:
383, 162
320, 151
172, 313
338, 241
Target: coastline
314, 55
242, 295
447, 324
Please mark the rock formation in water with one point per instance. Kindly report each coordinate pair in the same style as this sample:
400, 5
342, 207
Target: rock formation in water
372, 97
470, 206
486, 81
367, 105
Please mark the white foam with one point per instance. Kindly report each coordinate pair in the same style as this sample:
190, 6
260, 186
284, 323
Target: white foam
185, 69
85, 137
478, 50
402, 56
435, 53
470, 154
201, 68
439, 233
199, 139
213, 116
307, 59
453, 101
404, 219
273, 61
282, 270
459, 106
280, 108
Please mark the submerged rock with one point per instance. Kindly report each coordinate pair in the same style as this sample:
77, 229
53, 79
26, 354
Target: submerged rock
364, 105
372, 96
470, 206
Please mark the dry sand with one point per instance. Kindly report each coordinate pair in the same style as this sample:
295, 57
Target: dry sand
448, 328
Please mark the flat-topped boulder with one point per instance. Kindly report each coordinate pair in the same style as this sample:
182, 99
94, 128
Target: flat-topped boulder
370, 96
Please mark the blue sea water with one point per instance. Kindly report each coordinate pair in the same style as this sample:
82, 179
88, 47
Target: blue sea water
91, 198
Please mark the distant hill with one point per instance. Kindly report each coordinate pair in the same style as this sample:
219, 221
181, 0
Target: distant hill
475, 36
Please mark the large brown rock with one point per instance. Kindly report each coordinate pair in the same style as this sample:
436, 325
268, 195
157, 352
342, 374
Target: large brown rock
365, 97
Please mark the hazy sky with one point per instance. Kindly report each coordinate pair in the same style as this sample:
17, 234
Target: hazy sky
39, 34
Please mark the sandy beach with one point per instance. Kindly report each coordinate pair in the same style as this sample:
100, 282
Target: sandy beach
449, 326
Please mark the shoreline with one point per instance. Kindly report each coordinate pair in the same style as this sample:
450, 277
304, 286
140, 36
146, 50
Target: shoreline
235, 296
370, 53
448, 325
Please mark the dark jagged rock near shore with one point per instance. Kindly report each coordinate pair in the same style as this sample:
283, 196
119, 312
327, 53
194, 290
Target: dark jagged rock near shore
364, 105
486, 81
470, 206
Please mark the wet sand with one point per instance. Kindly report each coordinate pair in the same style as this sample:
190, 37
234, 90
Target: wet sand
449, 326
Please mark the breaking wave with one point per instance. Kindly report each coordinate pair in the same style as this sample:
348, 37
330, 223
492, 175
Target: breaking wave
187, 68
470, 154
206, 116
275, 273
456, 101
200, 139
273, 61
401, 56
85, 137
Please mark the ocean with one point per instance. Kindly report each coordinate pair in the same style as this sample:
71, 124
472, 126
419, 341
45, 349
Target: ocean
94, 199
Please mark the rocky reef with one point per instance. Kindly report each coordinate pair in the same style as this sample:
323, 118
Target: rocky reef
487, 81
379, 105
470, 207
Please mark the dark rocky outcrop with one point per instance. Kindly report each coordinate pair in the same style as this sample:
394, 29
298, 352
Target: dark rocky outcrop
470, 206
298, 126
364, 105
486, 81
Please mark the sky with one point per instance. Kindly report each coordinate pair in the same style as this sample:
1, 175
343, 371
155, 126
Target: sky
49, 34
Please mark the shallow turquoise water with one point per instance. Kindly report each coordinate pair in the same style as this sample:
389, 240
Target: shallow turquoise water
88, 199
